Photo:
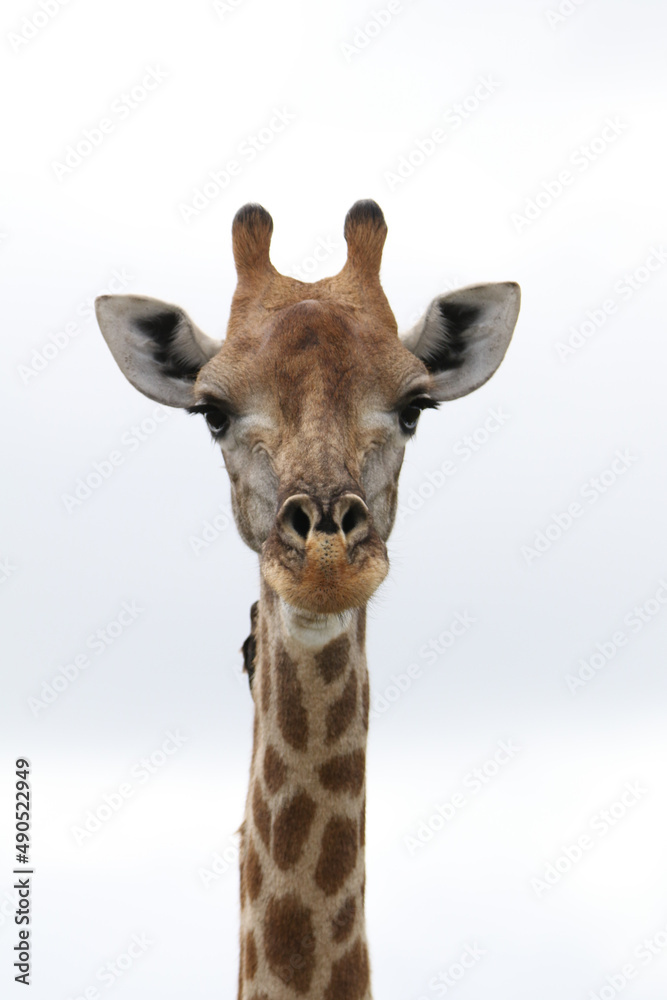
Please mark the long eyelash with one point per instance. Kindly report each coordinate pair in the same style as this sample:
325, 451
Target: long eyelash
203, 407
424, 403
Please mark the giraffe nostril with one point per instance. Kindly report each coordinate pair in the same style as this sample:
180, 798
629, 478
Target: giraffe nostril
295, 520
300, 521
351, 513
300, 517
350, 520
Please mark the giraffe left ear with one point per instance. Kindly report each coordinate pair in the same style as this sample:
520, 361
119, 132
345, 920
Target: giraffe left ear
463, 336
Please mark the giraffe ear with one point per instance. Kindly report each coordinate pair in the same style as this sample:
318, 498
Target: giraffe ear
156, 345
463, 336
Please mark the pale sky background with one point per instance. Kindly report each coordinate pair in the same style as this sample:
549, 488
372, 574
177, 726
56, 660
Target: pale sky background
580, 418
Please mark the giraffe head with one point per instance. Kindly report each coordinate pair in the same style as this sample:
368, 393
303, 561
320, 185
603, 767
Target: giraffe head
312, 397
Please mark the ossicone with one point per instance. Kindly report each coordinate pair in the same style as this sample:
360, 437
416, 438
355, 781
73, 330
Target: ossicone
365, 233
251, 239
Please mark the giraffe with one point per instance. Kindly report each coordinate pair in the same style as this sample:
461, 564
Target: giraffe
312, 397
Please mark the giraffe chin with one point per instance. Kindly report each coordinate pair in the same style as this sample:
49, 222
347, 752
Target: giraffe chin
325, 579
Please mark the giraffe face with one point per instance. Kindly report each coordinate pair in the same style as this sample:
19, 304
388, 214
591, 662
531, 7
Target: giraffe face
312, 412
312, 397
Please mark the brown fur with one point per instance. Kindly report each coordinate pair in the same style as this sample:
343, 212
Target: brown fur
338, 854
344, 773
287, 922
292, 717
350, 975
332, 659
261, 289
252, 873
341, 713
291, 829
275, 769
343, 923
262, 815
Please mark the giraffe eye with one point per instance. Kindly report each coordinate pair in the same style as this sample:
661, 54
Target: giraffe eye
408, 418
216, 419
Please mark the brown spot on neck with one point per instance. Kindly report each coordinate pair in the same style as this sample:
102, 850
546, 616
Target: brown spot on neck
338, 854
341, 712
289, 941
275, 769
333, 658
350, 975
343, 923
344, 773
291, 829
251, 872
261, 815
292, 717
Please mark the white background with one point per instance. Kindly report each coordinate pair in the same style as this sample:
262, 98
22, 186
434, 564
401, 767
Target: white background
361, 100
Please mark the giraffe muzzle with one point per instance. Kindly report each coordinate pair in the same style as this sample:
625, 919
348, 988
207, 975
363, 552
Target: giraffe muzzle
324, 558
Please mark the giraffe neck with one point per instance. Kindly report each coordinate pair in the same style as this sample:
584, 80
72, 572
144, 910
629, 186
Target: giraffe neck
302, 849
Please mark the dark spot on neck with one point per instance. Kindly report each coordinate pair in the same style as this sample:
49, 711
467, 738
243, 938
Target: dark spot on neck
332, 658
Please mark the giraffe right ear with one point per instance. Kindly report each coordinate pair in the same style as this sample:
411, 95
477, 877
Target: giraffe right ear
156, 346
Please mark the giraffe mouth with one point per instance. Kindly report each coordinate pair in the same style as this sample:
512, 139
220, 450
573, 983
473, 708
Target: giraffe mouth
325, 576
